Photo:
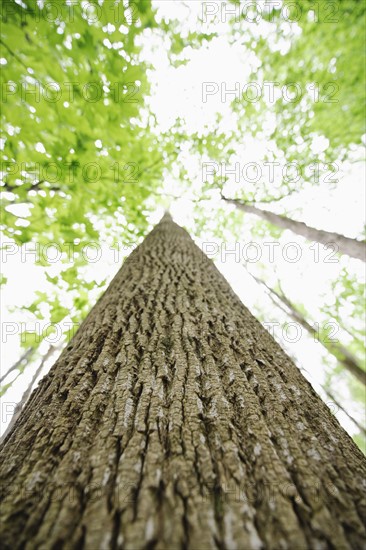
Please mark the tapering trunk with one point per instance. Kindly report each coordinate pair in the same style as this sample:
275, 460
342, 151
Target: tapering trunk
173, 420
340, 352
345, 245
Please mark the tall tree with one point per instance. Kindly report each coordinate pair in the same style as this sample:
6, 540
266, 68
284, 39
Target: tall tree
345, 245
174, 420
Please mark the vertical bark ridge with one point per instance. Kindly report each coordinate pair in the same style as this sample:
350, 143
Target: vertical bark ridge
174, 420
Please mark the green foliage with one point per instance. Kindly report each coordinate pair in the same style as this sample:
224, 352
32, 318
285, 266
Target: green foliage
313, 60
360, 441
30, 339
76, 141
325, 50
5, 388
79, 147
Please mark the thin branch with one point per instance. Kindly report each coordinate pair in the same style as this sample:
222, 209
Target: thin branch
14, 55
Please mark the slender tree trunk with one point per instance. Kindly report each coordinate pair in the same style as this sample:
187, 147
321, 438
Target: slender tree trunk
20, 405
340, 352
26, 356
174, 420
345, 245
336, 402
312, 332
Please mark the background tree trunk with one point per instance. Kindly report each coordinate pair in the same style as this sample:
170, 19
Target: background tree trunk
173, 420
18, 364
28, 391
338, 350
351, 247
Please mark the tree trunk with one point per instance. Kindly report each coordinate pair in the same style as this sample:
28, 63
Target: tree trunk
336, 402
25, 357
174, 420
340, 352
345, 245
21, 403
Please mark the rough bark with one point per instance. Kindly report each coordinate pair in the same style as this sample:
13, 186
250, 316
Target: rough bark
174, 420
345, 245
338, 350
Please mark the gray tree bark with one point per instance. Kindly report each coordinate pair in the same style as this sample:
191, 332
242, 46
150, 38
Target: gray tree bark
345, 245
174, 420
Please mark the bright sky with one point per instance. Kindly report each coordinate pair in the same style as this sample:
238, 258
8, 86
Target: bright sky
177, 92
